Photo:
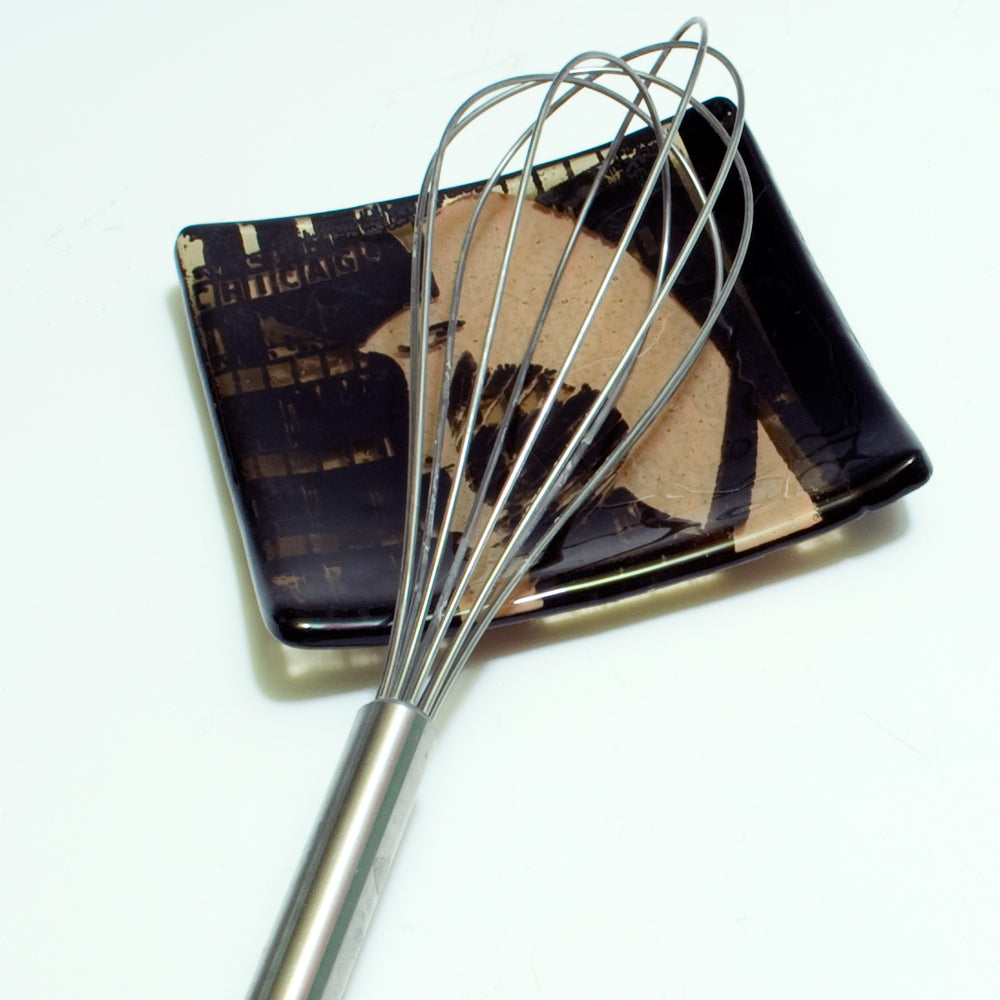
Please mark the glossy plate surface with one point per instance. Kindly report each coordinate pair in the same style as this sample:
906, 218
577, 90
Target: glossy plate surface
300, 324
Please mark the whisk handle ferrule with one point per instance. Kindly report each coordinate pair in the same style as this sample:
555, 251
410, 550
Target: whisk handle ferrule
332, 900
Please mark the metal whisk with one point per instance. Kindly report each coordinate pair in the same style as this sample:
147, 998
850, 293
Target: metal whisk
525, 396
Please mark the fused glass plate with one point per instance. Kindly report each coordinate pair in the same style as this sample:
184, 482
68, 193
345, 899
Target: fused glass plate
300, 324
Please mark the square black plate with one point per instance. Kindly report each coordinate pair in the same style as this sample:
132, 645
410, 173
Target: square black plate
794, 437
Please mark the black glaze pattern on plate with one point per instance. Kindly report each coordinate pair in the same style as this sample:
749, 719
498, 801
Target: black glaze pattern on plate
313, 427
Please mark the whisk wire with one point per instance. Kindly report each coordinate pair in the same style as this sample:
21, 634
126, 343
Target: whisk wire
476, 622
443, 614
405, 636
416, 673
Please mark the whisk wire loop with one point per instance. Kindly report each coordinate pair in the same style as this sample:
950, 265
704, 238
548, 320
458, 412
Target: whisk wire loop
422, 662
443, 614
403, 637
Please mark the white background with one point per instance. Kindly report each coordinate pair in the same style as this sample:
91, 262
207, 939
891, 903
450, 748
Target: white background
779, 783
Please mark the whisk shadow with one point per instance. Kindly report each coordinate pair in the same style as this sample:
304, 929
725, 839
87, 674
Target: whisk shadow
286, 673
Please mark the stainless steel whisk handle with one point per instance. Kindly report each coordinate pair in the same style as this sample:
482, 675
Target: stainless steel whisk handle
332, 900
